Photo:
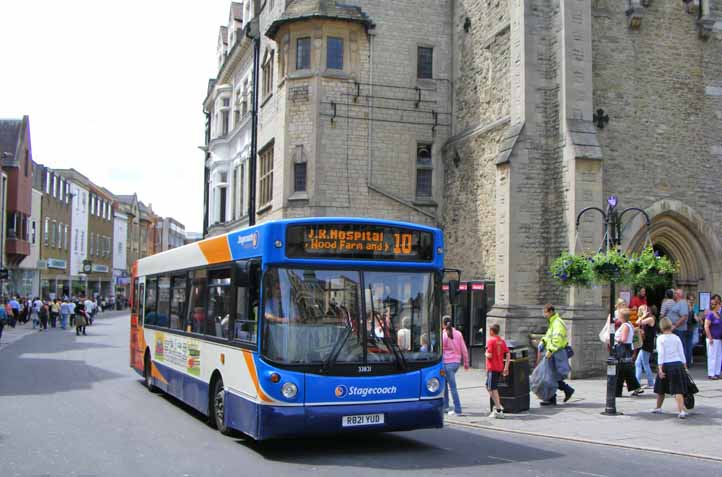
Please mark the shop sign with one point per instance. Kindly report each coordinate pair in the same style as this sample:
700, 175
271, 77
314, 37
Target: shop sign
100, 268
57, 263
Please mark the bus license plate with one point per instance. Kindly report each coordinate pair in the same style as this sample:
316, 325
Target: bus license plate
362, 420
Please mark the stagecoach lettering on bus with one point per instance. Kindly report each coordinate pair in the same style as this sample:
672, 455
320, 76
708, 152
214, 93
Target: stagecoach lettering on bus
305, 326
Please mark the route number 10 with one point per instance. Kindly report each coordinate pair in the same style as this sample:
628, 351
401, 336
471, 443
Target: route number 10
402, 244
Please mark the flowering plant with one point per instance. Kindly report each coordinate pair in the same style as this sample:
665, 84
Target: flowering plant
572, 270
610, 265
650, 270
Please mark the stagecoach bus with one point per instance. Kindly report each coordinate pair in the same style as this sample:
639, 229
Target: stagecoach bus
294, 327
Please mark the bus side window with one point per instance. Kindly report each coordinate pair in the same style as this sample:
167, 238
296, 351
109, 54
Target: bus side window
196, 321
136, 298
245, 325
151, 301
139, 303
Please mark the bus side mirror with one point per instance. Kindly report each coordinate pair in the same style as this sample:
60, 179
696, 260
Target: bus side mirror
454, 292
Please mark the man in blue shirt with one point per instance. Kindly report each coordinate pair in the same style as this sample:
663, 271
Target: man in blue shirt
15, 307
3, 317
678, 315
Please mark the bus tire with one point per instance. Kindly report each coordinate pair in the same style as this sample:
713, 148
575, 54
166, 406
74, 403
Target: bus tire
217, 408
147, 374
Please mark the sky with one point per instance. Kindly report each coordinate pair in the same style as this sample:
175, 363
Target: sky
115, 91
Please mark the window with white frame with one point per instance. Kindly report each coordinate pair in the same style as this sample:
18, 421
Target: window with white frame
266, 176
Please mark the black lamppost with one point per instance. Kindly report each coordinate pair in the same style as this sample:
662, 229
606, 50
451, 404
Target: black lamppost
612, 239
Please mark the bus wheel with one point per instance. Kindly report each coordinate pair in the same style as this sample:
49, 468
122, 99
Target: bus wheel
147, 375
218, 408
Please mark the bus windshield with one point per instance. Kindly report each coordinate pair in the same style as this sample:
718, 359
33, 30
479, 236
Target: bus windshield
326, 317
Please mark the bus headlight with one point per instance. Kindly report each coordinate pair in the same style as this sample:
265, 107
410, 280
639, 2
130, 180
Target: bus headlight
289, 390
433, 385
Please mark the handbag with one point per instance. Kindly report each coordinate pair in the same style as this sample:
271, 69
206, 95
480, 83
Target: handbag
604, 334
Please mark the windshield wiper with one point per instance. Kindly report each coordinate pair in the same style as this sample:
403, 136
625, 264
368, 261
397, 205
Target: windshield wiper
338, 346
391, 344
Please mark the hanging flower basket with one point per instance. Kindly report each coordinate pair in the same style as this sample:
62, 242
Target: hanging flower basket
572, 270
608, 266
650, 270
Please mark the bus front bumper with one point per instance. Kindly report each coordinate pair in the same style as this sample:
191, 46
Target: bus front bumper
279, 421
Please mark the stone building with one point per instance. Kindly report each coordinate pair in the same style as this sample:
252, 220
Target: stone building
354, 109
498, 121
559, 104
169, 234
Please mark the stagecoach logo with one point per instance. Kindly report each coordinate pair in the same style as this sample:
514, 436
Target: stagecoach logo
342, 391
248, 241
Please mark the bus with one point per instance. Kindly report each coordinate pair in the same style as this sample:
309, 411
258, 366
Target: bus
295, 327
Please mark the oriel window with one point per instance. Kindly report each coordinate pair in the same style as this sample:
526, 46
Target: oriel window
334, 53
303, 53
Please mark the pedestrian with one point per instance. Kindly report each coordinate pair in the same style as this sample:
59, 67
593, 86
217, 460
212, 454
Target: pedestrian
667, 303
89, 307
44, 314
3, 318
455, 354
639, 299
35, 312
54, 312
647, 325
678, 314
80, 318
15, 307
624, 350
71, 309
554, 344
693, 327
713, 333
64, 313
671, 368
497, 365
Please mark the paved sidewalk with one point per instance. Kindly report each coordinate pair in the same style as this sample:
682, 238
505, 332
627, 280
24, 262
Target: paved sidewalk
11, 335
580, 419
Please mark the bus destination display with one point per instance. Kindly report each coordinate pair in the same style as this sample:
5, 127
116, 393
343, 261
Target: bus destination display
359, 241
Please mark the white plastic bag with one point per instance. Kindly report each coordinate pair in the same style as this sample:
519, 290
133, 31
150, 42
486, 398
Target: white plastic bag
604, 334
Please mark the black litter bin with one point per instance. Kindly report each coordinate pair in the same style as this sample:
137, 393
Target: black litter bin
514, 389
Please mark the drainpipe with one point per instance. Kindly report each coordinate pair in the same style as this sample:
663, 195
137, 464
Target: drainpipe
253, 32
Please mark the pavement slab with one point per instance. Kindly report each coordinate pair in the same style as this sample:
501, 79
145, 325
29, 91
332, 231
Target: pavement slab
700, 435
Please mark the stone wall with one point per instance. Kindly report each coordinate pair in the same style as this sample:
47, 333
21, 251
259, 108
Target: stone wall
481, 42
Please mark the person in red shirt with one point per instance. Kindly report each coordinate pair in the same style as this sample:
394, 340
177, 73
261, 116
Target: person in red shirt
639, 299
497, 364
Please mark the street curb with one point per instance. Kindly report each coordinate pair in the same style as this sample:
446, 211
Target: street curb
585, 441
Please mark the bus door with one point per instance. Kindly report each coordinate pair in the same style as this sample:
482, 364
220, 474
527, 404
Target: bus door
137, 340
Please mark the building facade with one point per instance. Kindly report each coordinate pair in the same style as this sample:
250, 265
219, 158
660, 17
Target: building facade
228, 107
16, 158
121, 272
560, 104
29, 266
169, 233
354, 109
55, 244
78, 235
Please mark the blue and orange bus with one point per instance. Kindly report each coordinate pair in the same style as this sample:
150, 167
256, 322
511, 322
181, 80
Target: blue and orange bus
293, 327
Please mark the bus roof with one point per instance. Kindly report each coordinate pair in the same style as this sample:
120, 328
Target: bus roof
258, 241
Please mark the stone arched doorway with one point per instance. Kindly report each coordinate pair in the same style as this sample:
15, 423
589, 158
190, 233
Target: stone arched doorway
680, 233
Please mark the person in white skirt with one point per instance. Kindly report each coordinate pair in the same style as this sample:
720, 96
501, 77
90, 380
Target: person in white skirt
672, 369
713, 332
